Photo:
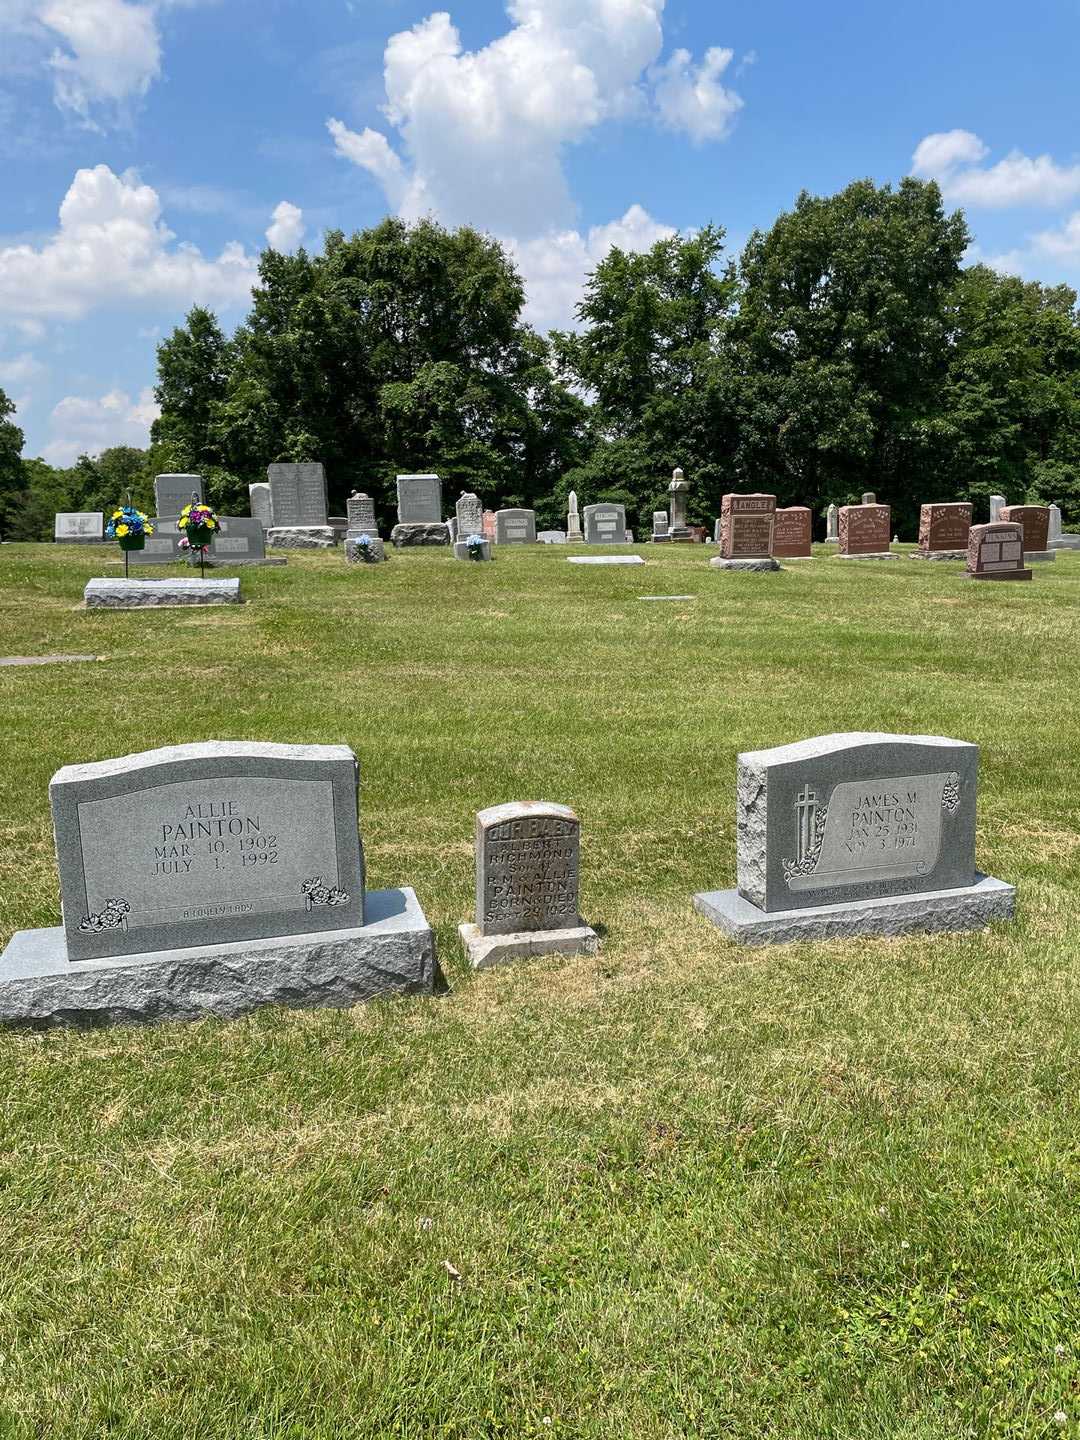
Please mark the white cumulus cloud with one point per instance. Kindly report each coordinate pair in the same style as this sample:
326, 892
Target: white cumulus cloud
555, 266
952, 158
286, 229
691, 98
482, 132
1062, 244
113, 248
110, 52
81, 425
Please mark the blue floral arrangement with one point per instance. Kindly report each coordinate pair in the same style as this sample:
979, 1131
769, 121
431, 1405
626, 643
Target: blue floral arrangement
129, 526
476, 546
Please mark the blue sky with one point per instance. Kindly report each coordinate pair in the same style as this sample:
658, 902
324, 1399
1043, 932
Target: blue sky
149, 149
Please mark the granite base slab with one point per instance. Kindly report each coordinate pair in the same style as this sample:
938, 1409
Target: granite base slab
432, 532
968, 908
234, 564
939, 555
761, 562
462, 552
875, 555
371, 554
392, 954
605, 560
102, 594
997, 575
302, 537
487, 950
1039, 556
1066, 541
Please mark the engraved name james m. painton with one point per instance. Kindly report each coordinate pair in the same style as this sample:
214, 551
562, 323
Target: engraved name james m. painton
870, 830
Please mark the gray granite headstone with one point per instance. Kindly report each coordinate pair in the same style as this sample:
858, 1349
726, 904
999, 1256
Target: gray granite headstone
469, 514
997, 504
855, 827
361, 512
832, 525
161, 548
515, 527
200, 844
573, 520
239, 537
659, 523
605, 524
297, 494
79, 527
419, 499
173, 492
259, 504
1054, 532
527, 867
551, 537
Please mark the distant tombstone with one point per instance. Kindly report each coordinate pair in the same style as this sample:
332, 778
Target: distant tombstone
605, 524
515, 527
419, 499
551, 537
678, 490
943, 529
79, 527
259, 504
173, 492
869, 498
832, 525
297, 494
488, 530
659, 525
239, 539
527, 866
161, 548
470, 515
573, 520
996, 552
997, 504
1054, 532
1035, 523
865, 530
360, 509
717, 530
746, 526
857, 834
792, 533
210, 879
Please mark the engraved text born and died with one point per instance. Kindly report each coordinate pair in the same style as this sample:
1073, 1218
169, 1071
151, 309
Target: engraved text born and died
201, 843
527, 860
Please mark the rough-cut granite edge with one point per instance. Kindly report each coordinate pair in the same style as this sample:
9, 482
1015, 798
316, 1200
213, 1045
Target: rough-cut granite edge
394, 953
119, 594
969, 908
763, 562
485, 951
751, 815
199, 750
419, 532
873, 555
939, 555
354, 551
301, 537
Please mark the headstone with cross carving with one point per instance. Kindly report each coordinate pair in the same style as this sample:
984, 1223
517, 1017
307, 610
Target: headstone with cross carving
853, 834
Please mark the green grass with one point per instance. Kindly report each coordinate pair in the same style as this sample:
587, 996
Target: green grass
686, 1189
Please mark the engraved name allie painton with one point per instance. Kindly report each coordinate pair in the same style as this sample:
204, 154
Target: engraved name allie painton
870, 830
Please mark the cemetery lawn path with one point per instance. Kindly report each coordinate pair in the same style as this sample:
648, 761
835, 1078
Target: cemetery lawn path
679, 1189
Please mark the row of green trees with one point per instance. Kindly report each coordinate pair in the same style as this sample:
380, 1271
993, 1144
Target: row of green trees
846, 349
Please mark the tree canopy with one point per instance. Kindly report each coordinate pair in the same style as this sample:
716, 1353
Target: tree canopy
846, 349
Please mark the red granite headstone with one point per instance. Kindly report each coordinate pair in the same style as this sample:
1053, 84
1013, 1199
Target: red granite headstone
489, 525
1035, 521
944, 527
746, 526
792, 532
996, 552
865, 529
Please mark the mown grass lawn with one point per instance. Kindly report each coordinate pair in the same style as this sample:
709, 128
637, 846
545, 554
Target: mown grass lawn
677, 1189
